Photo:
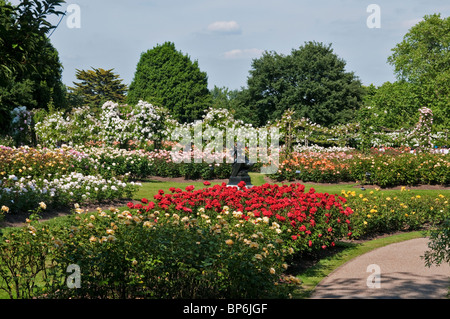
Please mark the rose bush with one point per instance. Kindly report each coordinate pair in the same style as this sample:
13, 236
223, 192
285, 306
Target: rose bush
377, 212
21, 194
384, 167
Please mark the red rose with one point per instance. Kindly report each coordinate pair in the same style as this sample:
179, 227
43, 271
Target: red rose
144, 200
310, 243
206, 183
241, 184
130, 205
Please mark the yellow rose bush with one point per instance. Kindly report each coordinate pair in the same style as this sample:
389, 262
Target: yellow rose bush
377, 212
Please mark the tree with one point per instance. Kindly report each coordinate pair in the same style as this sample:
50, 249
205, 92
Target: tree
235, 101
311, 80
423, 60
30, 70
96, 87
168, 78
392, 105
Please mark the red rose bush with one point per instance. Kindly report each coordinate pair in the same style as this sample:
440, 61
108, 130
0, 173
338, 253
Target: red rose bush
306, 219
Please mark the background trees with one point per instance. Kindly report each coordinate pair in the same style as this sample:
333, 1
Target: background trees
30, 70
312, 80
168, 78
422, 66
97, 86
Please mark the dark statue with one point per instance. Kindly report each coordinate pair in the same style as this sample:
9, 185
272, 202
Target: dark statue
239, 171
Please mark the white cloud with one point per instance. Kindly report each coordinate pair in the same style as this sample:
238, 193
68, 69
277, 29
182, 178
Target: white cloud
243, 53
227, 27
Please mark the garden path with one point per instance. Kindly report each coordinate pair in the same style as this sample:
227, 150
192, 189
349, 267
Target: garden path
402, 275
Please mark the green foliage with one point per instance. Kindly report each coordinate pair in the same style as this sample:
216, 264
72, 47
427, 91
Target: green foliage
385, 169
393, 106
423, 59
168, 78
30, 71
439, 245
97, 86
377, 212
145, 255
23, 259
312, 80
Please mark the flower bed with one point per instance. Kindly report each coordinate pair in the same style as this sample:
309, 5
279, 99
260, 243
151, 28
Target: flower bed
377, 212
58, 177
386, 168
216, 242
22, 194
312, 220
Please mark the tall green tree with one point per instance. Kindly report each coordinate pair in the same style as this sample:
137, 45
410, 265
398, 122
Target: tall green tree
312, 81
97, 86
423, 60
168, 78
393, 106
30, 70
235, 101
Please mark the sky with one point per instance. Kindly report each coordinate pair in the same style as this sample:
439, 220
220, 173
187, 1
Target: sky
224, 36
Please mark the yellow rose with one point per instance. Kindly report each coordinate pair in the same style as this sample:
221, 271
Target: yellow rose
229, 242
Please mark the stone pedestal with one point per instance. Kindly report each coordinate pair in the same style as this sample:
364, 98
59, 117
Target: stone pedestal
235, 180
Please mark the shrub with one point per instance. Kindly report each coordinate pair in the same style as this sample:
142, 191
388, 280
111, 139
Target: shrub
376, 212
163, 255
439, 245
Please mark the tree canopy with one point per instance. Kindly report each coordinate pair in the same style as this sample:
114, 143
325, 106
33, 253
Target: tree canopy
421, 64
312, 81
97, 86
423, 60
30, 70
168, 78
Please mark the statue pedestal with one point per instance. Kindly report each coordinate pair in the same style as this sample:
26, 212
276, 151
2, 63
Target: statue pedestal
235, 180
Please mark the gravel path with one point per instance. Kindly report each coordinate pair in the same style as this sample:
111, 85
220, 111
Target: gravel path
395, 271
